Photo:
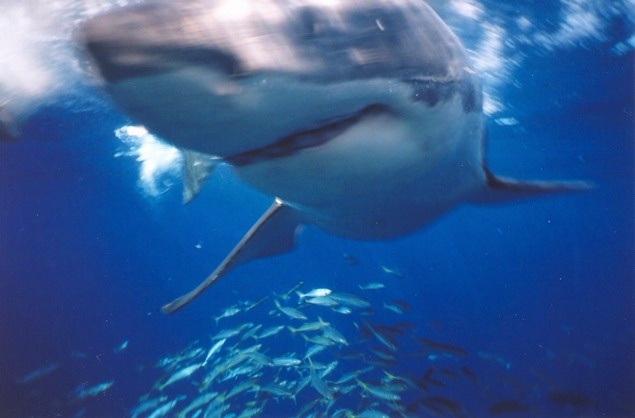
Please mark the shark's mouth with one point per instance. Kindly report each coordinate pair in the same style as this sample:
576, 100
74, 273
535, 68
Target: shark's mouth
309, 138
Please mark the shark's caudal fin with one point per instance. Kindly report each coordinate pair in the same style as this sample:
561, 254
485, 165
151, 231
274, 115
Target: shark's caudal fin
197, 168
502, 189
273, 233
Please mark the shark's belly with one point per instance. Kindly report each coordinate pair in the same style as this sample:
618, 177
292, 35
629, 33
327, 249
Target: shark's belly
384, 177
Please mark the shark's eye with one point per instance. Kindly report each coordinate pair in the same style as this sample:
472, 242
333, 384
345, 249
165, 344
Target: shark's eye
431, 92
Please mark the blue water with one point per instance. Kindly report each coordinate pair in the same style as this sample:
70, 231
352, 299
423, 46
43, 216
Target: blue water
540, 294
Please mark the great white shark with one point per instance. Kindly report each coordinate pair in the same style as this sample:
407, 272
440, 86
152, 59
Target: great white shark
361, 117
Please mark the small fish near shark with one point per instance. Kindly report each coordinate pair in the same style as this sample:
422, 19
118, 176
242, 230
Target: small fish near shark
362, 118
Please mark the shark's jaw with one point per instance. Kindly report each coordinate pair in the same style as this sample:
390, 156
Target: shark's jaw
248, 118
242, 119
305, 139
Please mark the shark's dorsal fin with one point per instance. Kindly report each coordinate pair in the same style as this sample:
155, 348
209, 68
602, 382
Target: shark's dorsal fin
273, 233
197, 167
502, 189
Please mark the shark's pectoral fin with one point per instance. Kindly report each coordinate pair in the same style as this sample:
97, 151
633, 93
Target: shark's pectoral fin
501, 189
197, 168
273, 233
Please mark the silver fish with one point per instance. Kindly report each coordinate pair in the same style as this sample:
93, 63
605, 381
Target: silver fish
290, 312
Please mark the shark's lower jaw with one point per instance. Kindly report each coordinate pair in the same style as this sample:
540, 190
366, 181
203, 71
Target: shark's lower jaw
305, 139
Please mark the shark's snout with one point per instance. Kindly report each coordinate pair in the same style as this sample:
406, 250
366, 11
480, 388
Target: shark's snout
119, 61
151, 39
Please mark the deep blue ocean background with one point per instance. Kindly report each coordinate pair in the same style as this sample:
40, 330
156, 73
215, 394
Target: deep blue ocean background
540, 293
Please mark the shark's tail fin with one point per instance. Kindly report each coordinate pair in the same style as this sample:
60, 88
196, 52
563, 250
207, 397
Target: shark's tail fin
502, 189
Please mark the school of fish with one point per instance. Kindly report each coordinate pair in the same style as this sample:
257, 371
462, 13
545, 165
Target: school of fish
315, 353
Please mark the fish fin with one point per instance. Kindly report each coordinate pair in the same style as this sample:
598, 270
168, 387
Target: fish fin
197, 167
502, 189
301, 296
272, 234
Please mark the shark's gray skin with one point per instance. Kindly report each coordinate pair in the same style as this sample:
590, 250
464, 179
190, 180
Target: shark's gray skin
361, 117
